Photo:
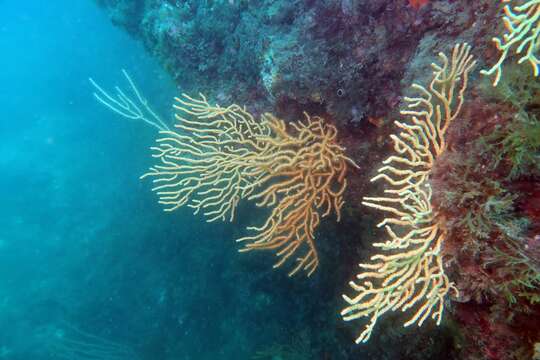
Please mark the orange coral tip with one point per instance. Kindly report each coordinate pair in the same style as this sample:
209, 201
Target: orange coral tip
417, 4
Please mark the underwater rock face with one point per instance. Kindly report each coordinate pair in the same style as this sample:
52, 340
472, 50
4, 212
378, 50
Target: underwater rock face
352, 61
343, 57
127, 14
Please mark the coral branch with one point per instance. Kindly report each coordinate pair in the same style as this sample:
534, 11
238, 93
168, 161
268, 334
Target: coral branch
220, 156
67, 342
211, 162
409, 274
522, 24
305, 181
123, 105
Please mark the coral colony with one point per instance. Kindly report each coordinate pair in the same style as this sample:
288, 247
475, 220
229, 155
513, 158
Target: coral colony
411, 272
297, 170
216, 157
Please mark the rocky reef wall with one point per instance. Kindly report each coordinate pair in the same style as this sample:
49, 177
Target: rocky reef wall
352, 62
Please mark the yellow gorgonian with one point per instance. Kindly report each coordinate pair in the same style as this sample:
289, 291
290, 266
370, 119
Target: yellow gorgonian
304, 181
218, 156
209, 161
408, 273
522, 23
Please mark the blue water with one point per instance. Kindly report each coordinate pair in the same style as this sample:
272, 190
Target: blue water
86, 255
90, 266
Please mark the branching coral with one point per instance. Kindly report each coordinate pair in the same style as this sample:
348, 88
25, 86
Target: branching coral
67, 342
135, 107
223, 155
522, 24
304, 180
211, 164
409, 273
